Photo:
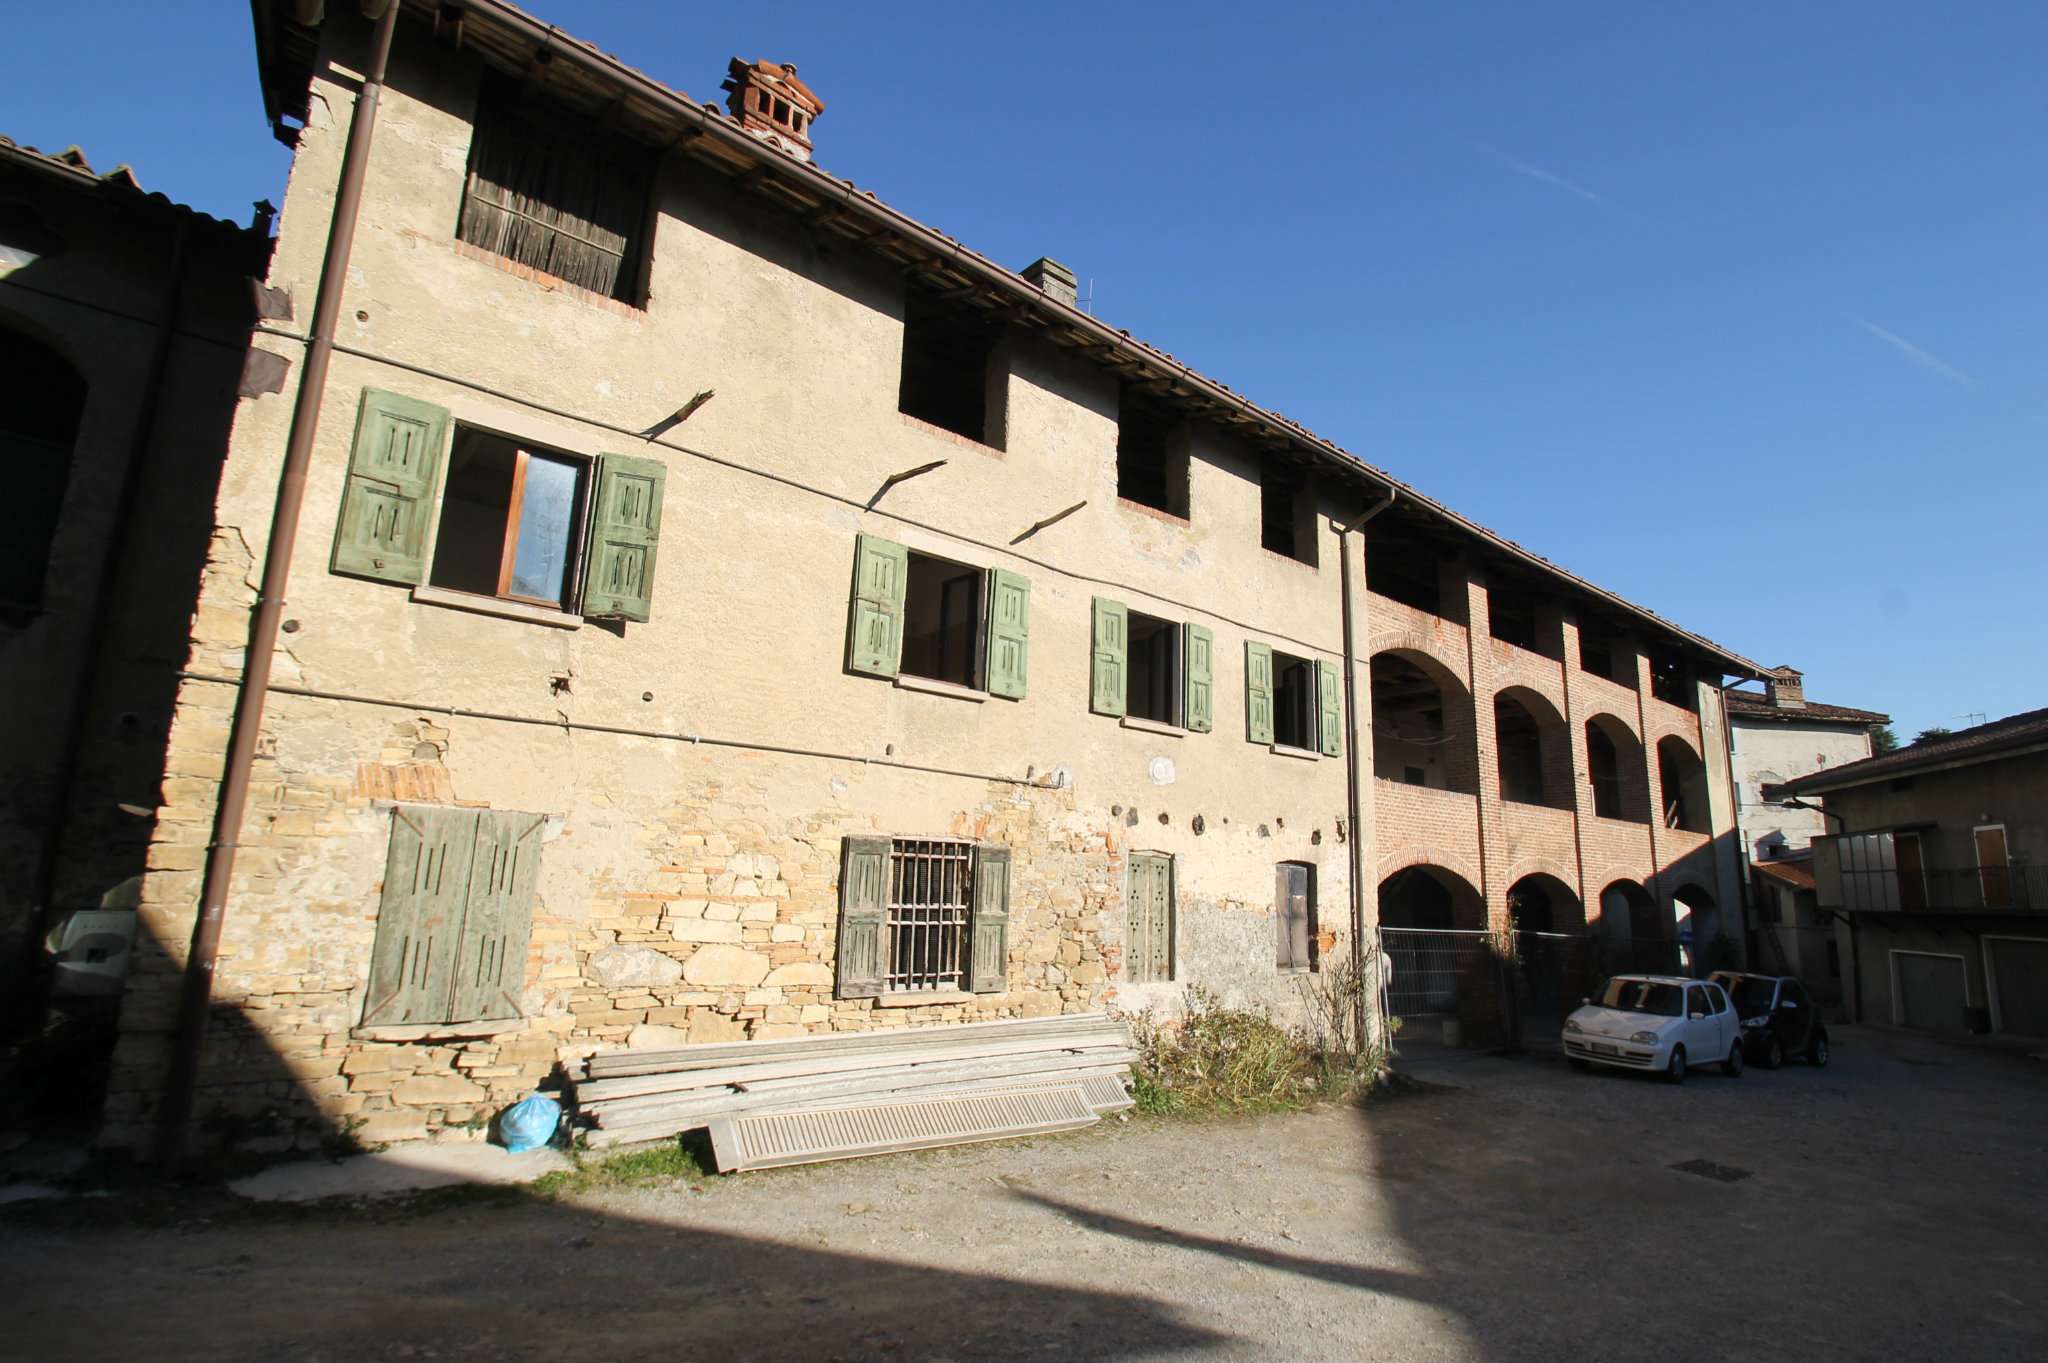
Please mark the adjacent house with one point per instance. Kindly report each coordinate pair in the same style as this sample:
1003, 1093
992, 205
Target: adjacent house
704, 602
1775, 736
1934, 869
124, 323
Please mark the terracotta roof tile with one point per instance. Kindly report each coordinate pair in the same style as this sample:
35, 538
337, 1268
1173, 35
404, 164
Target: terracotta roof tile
1752, 705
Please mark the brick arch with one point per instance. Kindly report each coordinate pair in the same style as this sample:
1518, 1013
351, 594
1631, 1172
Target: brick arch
1401, 858
1544, 682
1530, 866
1415, 641
1634, 730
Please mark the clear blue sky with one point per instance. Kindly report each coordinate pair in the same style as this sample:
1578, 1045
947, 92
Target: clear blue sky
1741, 311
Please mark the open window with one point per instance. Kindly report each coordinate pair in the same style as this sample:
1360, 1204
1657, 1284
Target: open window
510, 521
1155, 690
1151, 467
955, 374
919, 615
1286, 512
513, 521
554, 191
1292, 702
1150, 669
942, 621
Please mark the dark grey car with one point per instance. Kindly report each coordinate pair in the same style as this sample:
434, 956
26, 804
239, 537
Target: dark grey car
1778, 1018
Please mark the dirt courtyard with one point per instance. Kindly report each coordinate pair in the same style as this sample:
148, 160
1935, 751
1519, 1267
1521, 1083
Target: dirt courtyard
1892, 1207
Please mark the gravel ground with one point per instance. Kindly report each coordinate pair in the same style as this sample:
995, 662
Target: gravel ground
1891, 1206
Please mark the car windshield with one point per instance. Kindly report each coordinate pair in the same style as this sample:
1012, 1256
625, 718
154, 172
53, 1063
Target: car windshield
1644, 996
1753, 996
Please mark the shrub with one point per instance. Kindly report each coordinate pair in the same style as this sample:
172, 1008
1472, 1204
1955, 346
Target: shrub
1221, 1059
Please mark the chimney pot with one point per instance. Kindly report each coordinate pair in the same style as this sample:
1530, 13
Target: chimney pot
772, 104
1055, 279
1785, 688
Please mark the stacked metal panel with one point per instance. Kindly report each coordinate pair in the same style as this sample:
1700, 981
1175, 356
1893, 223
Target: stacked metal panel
860, 1093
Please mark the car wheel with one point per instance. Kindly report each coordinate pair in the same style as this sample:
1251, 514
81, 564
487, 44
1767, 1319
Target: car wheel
1580, 1065
1774, 1054
1817, 1053
1732, 1066
1674, 1069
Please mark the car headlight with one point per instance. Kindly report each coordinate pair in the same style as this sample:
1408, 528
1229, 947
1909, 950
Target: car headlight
1644, 1038
1572, 1025
1756, 1022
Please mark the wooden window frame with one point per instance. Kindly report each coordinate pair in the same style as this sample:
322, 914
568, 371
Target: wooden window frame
579, 530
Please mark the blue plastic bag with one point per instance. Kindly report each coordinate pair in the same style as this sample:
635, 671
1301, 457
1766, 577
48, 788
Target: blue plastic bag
529, 1123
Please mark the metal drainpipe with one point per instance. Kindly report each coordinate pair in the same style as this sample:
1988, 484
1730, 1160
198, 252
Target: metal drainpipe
35, 976
195, 1000
1352, 800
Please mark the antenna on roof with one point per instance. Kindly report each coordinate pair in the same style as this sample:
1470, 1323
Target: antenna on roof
1972, 718
1087, 304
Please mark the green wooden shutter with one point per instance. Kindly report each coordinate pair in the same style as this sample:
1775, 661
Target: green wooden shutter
1112, 634
419, 921
1258, 692
1200, 708
989, 958
1009, 633
625, 529
863, 917
392, 471
490, 972
874, 633
1330, 709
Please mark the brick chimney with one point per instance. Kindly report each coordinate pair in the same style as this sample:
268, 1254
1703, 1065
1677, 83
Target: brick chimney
1055, 279
772, 104
1785, 688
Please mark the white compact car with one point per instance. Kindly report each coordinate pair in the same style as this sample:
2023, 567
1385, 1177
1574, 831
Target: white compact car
1661, 1023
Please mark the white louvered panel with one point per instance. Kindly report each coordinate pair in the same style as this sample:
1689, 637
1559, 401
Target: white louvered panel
766, 1140
1106, 1093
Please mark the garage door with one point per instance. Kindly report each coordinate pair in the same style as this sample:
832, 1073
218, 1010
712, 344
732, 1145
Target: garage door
2019, 976
1931, 991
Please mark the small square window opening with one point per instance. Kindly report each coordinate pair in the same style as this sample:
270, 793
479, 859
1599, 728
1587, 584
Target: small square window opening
942, 621
949, 370
1286, 521
511, 521
1149, 470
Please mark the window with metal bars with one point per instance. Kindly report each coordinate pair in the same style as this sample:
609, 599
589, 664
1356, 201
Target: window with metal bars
931, 892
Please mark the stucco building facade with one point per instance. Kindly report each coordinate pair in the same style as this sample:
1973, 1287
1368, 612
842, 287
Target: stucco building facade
1775, 736
1933, 872
724, 608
